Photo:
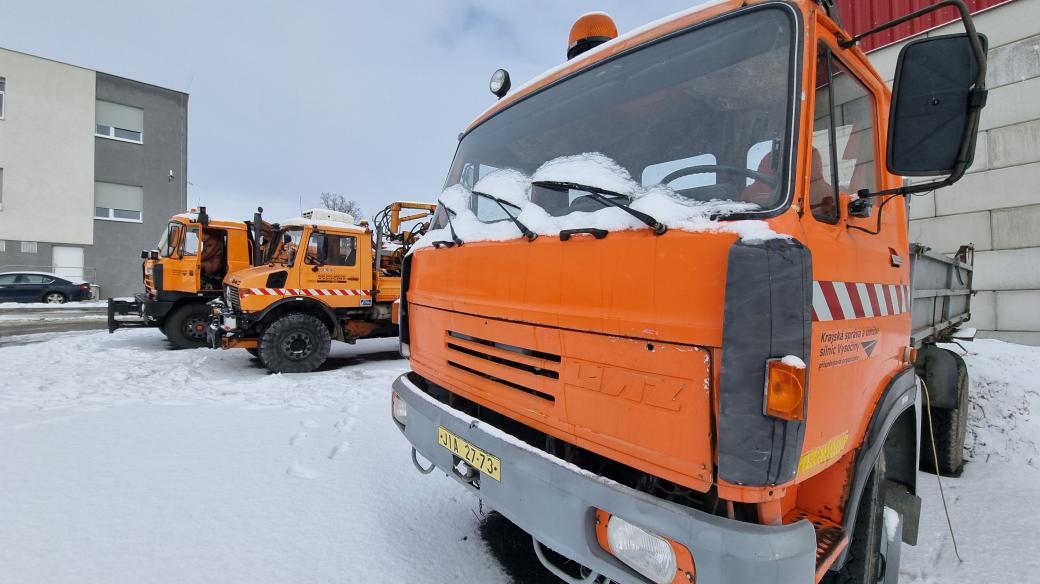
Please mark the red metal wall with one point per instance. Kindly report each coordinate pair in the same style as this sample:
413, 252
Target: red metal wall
861, 15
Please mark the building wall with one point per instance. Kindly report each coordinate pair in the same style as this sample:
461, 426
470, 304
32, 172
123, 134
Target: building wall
118, 244
996, 205
46, 151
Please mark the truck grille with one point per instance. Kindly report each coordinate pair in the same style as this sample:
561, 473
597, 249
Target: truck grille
481, 357
231, 292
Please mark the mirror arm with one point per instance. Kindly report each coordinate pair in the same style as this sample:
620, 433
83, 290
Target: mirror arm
969, 27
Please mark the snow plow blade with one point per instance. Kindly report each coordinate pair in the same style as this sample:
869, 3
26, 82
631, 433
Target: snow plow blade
126, 307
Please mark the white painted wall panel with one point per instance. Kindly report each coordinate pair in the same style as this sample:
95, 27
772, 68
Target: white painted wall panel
47, 150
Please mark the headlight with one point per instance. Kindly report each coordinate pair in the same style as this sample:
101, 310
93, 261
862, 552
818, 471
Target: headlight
399, 409
648, 554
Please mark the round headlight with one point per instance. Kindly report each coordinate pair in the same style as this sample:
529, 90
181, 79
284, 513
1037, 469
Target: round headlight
499, 82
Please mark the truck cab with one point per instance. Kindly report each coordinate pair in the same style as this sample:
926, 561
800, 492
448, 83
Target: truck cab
183, 273
662, 318
327, 278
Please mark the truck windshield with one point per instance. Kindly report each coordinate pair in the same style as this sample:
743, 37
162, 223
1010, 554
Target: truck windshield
289, 242
706, 112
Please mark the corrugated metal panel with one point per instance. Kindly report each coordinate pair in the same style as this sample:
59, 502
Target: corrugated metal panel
861, 15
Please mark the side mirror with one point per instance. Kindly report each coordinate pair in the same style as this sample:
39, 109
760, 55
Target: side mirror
323, 250
286, 238
936, 99
144, 254
153, 255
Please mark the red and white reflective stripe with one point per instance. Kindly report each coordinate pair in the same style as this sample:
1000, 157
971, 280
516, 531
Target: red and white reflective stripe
302, 292
849, 300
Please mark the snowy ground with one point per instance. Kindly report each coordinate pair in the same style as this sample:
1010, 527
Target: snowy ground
123, 461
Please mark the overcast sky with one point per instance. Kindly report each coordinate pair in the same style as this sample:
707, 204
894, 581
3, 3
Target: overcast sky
290, 99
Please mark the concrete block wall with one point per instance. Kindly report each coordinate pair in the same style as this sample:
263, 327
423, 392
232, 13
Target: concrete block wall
996, 205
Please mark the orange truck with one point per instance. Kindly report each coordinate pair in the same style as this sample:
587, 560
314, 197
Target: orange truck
184, 273
705, 350
326, 279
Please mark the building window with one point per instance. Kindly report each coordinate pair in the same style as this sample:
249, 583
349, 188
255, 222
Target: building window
1, 189
3, 245
3, 96
119, 122
28, 247
115, 202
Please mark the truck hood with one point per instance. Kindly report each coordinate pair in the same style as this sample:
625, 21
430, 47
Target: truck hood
255, 277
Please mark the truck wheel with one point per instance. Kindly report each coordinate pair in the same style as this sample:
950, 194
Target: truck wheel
950, 427
186, 326
864, 564
295, 343
162, 328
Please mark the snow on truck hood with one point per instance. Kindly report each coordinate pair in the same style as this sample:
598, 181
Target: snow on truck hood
595, 170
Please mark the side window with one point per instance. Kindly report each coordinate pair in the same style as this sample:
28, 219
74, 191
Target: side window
338, 250
190, 246
843, 137
34, 279
7, 279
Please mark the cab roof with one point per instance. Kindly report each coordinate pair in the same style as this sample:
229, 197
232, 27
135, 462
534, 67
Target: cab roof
323, 223
213, 222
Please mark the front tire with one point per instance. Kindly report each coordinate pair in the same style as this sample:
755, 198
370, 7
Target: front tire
54, 298
864, 564
186, 326
295, 343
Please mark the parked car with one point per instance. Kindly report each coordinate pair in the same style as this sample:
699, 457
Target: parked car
41, 287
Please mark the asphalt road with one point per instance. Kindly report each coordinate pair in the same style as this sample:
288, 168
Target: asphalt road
16, 322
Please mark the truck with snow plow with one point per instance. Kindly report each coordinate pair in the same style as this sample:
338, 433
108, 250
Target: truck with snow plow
185, 272
326, 279
701, 347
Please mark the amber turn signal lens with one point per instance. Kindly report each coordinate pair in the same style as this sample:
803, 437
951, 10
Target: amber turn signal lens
785, 390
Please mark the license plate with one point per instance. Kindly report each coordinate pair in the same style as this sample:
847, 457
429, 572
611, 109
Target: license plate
475, 457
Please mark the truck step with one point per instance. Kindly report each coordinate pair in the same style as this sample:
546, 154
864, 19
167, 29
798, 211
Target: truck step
830, 538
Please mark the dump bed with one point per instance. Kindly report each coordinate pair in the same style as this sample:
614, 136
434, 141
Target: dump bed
941, 292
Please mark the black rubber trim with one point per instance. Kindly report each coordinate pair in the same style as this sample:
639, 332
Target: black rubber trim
402, 307
900, 394
767, 315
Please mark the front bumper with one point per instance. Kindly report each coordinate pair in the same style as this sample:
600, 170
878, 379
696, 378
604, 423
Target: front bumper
228, 329
555, 502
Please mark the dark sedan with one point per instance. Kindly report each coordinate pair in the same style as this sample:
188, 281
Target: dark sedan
41, 287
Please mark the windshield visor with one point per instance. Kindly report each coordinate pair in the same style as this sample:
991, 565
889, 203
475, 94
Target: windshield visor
706, 113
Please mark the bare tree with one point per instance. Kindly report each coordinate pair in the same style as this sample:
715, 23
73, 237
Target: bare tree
335, 202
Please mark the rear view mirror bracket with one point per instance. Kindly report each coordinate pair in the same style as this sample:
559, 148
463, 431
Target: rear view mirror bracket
976, 98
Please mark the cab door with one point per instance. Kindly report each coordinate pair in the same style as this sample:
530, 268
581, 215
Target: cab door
861, 285
337, 269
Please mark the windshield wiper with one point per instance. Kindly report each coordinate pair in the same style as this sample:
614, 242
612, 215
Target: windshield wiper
530, 235
455, 239
604, 197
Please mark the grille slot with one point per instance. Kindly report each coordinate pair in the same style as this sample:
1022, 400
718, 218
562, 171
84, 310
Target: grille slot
234, 298
505, 347
507, 362
538, 364
516, 386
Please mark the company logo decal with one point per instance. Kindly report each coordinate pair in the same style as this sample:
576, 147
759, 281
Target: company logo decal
844, 346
